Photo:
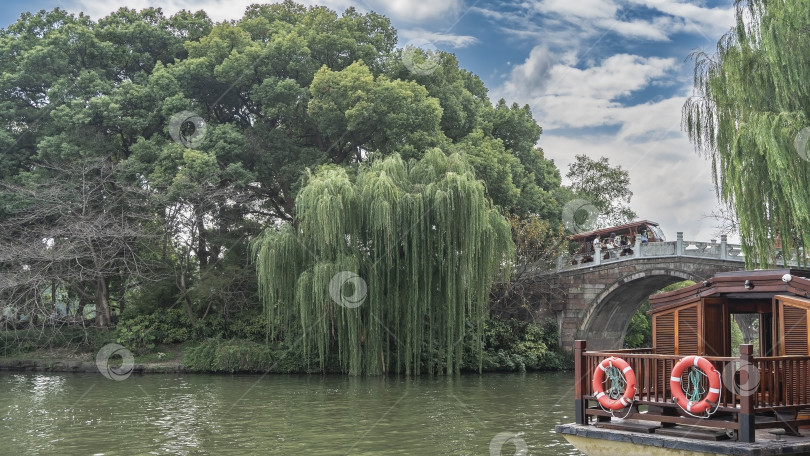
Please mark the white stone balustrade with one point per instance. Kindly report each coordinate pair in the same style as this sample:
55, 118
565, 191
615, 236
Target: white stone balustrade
678, 248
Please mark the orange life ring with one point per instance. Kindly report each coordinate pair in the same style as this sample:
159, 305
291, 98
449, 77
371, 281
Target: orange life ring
712, 397
614, 403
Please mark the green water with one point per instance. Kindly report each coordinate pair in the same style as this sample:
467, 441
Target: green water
87, 414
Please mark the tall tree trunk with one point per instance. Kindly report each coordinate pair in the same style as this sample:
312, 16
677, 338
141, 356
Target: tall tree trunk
53, 295
80, 309
202, 252
187, 300
122, 296
103, 316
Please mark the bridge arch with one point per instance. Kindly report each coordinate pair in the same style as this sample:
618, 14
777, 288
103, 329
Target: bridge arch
607, 317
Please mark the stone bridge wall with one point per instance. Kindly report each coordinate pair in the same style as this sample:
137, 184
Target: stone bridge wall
601, 300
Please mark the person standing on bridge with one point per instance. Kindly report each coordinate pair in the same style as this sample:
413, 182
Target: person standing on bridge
596, 243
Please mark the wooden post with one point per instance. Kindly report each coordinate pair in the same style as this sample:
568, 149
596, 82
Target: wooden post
580, 385
746, 419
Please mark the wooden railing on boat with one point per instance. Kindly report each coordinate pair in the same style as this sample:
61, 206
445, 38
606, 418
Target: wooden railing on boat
757, 392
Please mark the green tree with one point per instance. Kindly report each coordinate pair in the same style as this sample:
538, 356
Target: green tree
750, 117
606, 187
420, 245
539, 178
265, 98
639, 331
354, 111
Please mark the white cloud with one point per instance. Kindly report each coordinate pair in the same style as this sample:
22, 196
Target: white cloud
530, 77
565, 96
578, 8
654, 30
656, 120
670, 183
437, 38
618, 75
416, 10
581, 21
710, 22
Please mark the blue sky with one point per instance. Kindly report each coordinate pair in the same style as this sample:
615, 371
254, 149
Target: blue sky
603, 77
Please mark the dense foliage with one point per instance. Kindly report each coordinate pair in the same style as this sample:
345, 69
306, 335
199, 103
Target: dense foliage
142, 154
421, 243
751, 117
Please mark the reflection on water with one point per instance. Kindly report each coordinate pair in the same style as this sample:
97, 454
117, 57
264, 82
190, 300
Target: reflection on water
307, 415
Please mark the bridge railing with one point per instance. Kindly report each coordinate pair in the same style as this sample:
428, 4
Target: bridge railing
678, 248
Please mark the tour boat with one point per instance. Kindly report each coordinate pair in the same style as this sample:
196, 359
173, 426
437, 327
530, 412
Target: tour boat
610, 240
692, 392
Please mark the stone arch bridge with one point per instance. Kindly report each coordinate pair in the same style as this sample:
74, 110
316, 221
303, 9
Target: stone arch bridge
600, 296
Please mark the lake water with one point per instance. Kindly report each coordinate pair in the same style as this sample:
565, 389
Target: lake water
87, 414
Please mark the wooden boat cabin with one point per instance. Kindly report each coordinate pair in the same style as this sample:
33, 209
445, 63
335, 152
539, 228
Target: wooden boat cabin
692, 375
620, 238
697, 320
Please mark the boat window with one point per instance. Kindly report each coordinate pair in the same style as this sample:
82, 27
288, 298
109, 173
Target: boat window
744, 330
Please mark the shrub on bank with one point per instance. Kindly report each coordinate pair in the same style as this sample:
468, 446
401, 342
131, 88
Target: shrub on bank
142, 332
235, 355
514, 345
17, 342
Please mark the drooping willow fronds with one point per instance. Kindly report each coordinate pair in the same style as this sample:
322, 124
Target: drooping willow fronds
750, 117
424, 241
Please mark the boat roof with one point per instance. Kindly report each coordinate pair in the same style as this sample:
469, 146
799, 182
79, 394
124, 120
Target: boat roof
612, 229
763, 284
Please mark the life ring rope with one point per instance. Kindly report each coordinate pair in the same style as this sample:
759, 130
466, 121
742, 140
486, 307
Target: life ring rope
621, 381
693, 398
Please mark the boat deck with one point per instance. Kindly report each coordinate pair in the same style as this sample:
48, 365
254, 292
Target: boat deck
645, 439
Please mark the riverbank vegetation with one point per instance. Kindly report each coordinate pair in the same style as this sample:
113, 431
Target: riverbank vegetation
508, 346
288, 190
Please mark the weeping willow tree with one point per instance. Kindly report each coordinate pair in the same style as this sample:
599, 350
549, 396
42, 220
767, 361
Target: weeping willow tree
422, 246
750, 117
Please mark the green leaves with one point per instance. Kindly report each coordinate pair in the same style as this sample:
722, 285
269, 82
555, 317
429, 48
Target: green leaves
425, 244
356, 110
